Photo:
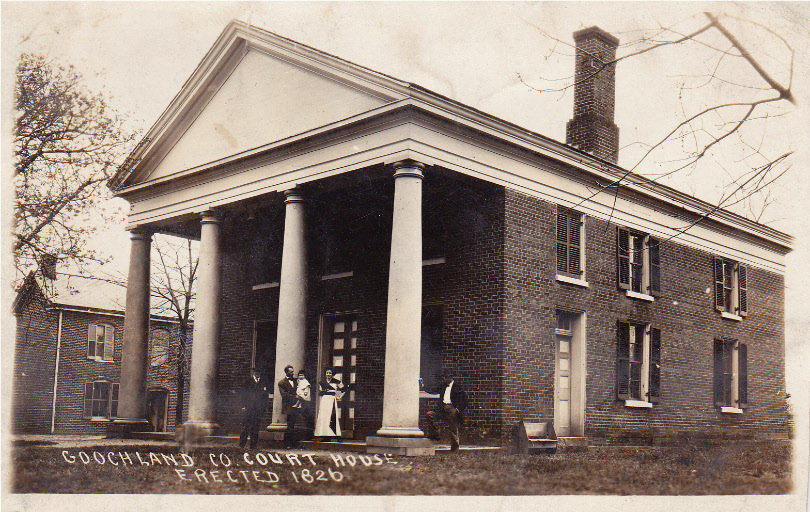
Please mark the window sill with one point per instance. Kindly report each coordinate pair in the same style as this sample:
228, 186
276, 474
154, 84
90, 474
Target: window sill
641, 296
100, 360
98, 419
425, 394
638, 403
339, 275
731, 410
265, 286
730, 316
572, 280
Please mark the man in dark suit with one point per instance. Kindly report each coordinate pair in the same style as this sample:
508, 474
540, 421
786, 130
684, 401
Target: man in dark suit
452, 402
256, 394
286, 387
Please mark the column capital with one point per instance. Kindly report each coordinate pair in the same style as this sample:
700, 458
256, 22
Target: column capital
212, 216
294, 195
141, 233
409, 168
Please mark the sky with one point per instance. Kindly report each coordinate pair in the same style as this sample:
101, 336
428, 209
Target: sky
491, 56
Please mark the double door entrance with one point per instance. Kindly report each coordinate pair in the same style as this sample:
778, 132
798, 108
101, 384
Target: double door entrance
338, 352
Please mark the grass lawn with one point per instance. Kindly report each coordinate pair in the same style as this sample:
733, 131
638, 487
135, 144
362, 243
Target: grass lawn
732, 468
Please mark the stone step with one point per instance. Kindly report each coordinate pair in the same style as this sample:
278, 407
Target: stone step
572, 443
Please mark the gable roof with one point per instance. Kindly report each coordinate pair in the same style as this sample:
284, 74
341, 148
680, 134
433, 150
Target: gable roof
75, 292
240, 46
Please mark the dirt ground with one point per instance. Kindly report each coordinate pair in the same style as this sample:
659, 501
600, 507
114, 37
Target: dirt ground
101, 467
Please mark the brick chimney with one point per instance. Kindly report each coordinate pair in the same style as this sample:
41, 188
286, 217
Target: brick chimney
592, 128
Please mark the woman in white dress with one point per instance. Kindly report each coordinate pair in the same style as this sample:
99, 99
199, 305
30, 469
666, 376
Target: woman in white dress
327, 423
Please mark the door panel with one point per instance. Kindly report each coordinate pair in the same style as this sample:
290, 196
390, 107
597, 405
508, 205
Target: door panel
339, 351
562, 386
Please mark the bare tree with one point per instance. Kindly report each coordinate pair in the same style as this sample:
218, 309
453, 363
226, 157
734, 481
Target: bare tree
709, 126
67, 143
173, 292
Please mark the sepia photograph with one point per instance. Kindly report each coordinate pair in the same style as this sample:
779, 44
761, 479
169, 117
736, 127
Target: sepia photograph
405, 255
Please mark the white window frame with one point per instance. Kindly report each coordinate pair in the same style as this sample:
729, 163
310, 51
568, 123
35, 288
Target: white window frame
107, 346
643, 400
733, 289
90, 397
639, 261
733, 405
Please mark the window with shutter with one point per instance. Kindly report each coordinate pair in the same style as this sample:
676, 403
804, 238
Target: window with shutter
569, 244
638, 260
730, 375
638, 364
730, 288
98, 399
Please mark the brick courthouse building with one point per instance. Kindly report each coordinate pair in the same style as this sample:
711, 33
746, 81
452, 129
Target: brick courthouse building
353, 220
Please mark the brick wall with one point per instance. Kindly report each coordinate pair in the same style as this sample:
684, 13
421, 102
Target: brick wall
684, 312
468, 287
34, 360
499, 296
34, 368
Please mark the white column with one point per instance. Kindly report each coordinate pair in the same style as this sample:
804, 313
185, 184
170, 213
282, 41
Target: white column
205, 349
132, 391
292, 301
404, 324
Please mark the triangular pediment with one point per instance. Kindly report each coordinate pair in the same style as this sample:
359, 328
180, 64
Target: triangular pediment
253, 89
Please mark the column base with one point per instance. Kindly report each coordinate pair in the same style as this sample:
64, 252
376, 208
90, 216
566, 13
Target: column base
408, 446
276, 431
400, 432
123, 428
193, 432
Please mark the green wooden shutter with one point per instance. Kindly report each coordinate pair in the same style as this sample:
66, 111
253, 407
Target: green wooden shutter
623, 361
719, 301
109, 342
742, 376
719, 393
655, 365
91, 340
562, 243
742, 281
623, 257
655, 266
88, 400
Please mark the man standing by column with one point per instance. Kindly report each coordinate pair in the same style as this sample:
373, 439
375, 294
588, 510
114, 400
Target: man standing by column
286, 387
256, 395
451, 409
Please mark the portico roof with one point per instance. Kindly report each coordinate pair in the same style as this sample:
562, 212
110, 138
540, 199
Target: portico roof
262, 113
